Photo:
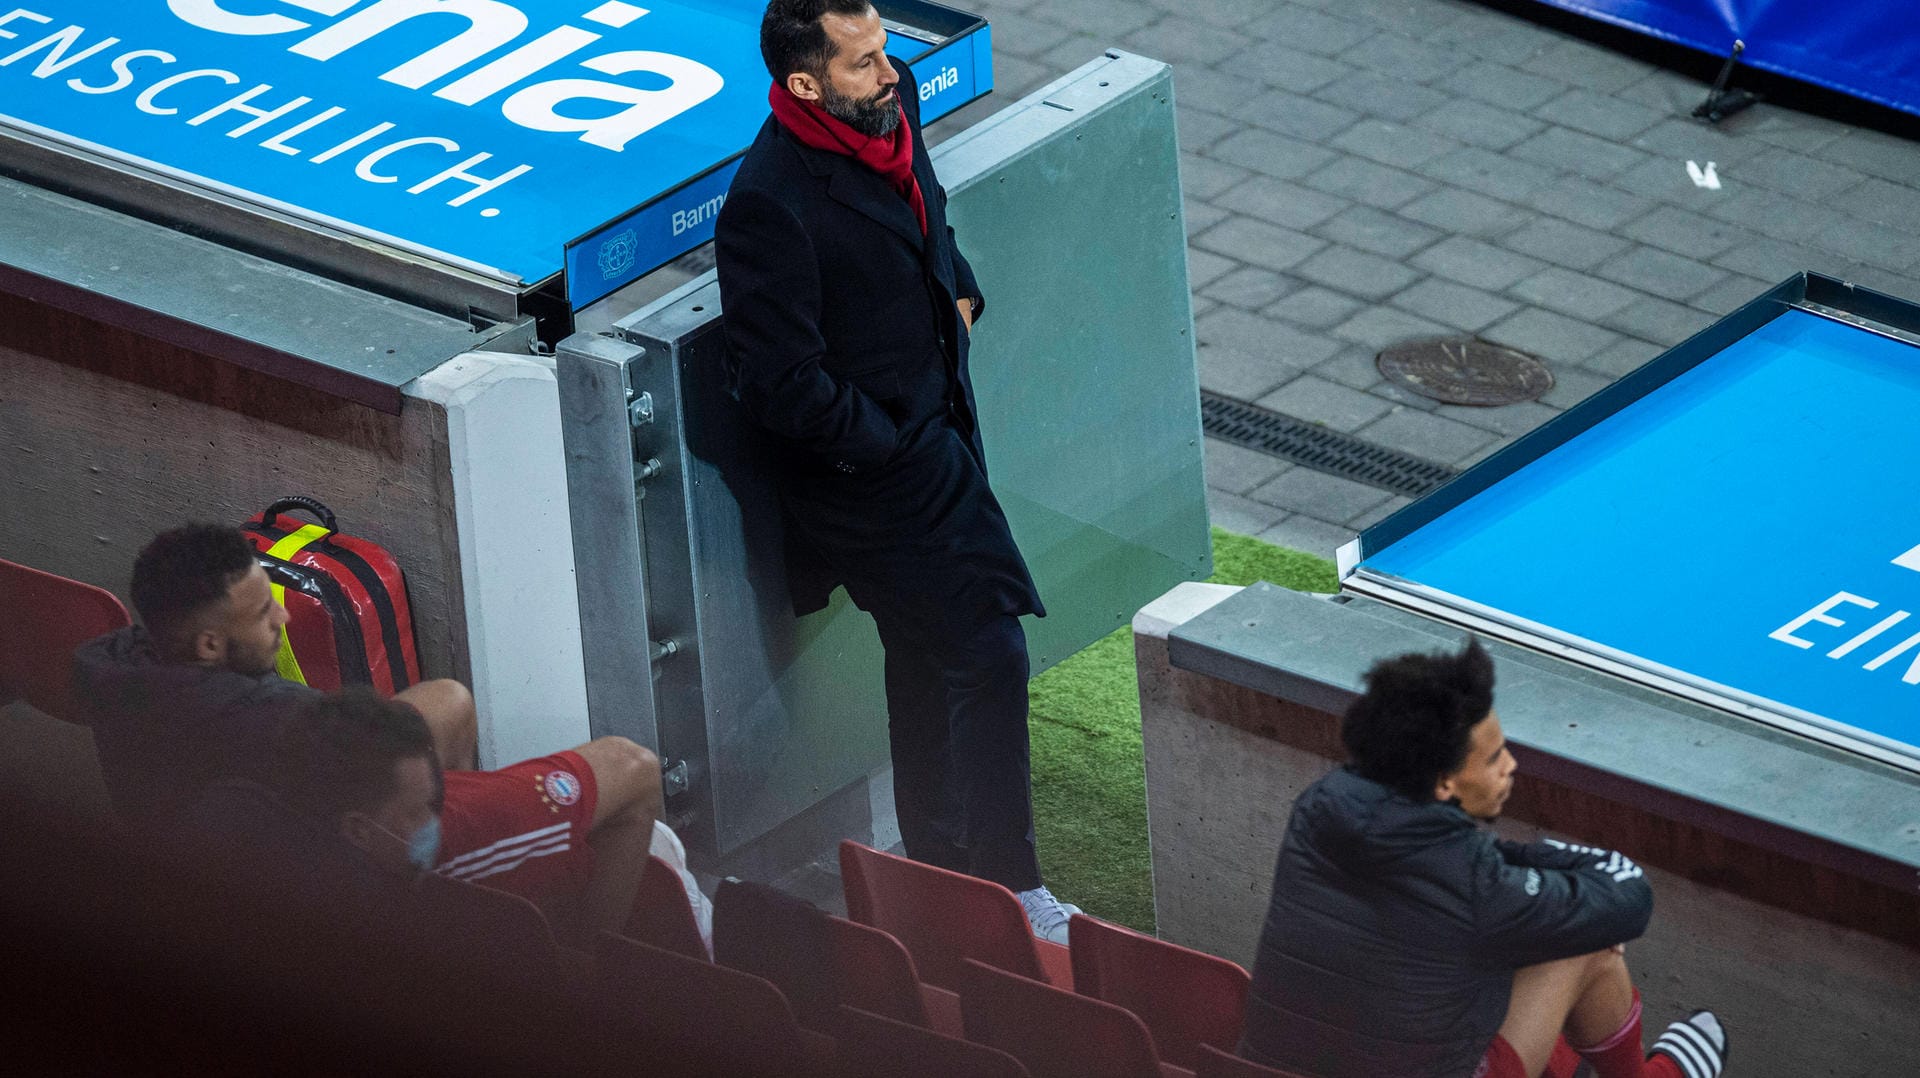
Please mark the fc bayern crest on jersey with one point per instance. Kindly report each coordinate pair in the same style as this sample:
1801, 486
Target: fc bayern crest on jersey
562, 787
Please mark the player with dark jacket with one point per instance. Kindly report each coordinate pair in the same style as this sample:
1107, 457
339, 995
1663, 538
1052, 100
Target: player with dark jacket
1404, 939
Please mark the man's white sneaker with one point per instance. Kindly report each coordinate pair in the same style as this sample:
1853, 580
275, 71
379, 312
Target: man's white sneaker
1047, 914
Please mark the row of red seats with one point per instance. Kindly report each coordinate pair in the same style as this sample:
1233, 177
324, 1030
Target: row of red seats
971, 937
939, 968
1115, 1002
862, 1007
933, 966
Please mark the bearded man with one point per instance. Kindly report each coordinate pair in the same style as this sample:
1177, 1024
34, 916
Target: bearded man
848, 311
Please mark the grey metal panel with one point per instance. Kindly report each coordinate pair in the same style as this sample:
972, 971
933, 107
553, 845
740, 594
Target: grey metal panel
245, 310
773, 713
1069, 208
667, 535
1085, 375
611, 572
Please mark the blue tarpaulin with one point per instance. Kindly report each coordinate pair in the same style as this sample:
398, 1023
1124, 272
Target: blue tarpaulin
1867, 48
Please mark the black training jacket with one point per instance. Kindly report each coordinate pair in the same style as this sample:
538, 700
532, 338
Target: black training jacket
1395, 927
165, 732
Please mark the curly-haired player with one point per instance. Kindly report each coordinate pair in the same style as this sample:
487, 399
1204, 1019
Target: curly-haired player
1404, 939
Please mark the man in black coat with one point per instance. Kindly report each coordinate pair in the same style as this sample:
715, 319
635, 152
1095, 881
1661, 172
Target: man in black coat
1403, 940
848, 311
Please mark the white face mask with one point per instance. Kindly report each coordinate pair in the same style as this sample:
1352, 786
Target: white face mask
423, 849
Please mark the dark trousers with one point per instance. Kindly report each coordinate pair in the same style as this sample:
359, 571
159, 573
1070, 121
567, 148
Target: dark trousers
957, 719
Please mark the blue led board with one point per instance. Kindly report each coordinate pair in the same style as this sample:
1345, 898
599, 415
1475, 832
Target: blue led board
1872, 50
1753, 523
487, 134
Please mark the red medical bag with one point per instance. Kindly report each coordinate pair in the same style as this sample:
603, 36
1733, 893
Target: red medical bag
348, 618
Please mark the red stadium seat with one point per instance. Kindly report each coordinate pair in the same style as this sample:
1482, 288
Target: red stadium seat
945, 918
723, 1020
43, 618
761, 930
820, 961
1211, 1062
1185, 997
464, 956
873, 1046
877, 975
661, 915
1055, 1033
473, 923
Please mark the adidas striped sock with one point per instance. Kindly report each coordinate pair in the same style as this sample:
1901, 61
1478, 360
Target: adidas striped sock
1696, 1047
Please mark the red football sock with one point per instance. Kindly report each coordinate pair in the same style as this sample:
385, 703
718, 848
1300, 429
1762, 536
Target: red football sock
1619, 1055
1661, 1066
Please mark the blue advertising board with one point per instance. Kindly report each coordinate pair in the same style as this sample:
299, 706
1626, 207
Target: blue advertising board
486, 134
1753, 524
1867, 48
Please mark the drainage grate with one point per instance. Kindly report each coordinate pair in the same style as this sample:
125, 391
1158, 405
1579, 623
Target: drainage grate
1316, 447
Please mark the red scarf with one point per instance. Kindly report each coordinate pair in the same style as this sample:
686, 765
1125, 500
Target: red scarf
891, 157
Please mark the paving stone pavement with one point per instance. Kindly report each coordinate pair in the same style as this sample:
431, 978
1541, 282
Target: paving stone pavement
1360, 172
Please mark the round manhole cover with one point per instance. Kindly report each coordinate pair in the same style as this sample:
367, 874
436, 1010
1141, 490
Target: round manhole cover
1465, 370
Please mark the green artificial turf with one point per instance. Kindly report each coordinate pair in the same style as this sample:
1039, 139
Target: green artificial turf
1089, 788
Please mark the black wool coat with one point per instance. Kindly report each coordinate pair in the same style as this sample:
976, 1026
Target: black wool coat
847, 350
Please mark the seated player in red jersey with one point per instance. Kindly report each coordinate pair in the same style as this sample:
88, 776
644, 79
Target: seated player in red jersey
190, 696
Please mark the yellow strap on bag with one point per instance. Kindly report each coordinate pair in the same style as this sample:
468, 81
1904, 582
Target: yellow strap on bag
283, 662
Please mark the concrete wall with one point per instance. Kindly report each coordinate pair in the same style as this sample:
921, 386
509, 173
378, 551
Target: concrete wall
521, 612
1801, 996
107, 438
